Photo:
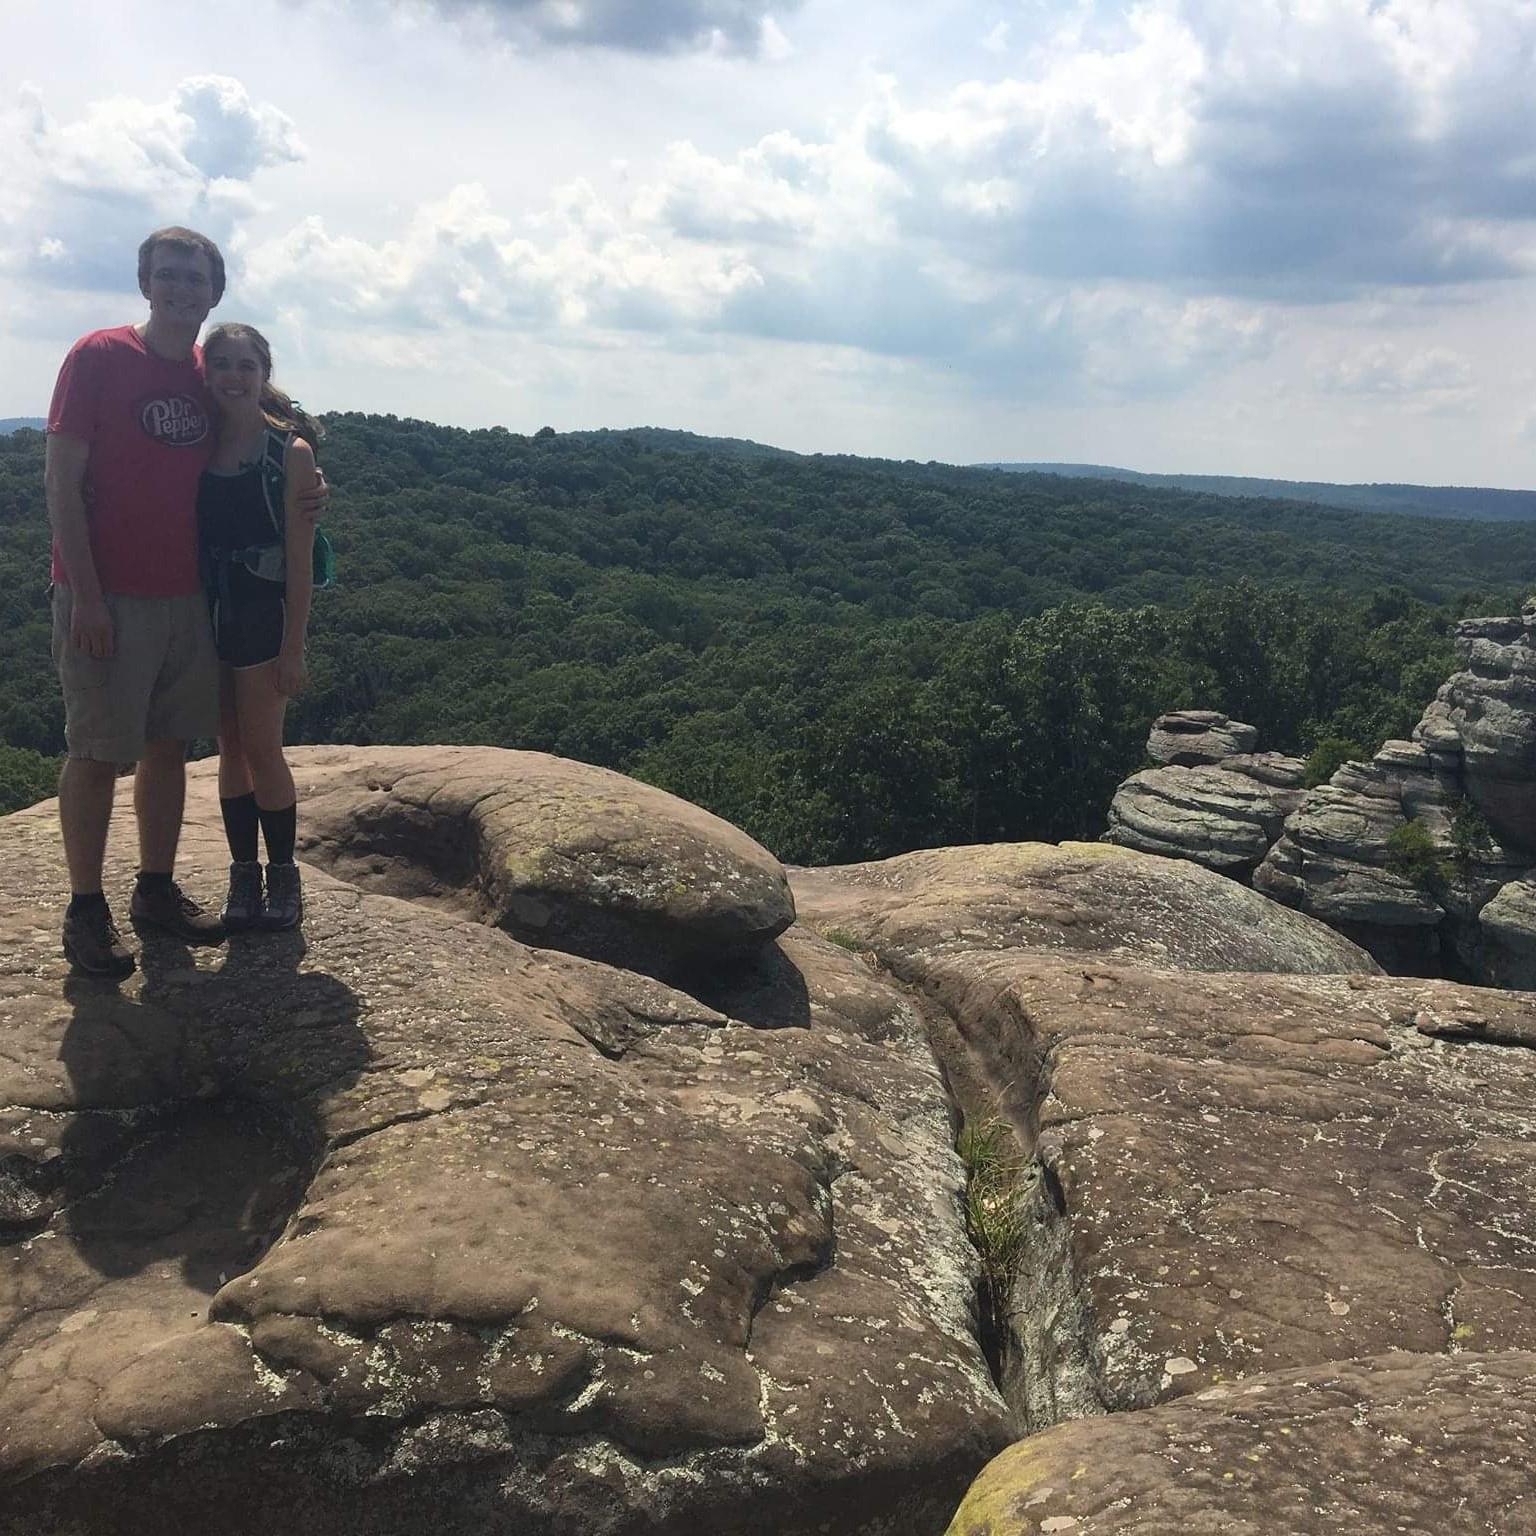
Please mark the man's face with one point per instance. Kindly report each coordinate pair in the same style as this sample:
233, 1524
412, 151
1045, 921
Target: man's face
180, 286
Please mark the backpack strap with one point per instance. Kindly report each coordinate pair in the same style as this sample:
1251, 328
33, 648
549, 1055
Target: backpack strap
274, 478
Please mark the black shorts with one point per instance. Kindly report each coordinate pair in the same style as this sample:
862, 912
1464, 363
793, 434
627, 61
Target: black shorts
248, 631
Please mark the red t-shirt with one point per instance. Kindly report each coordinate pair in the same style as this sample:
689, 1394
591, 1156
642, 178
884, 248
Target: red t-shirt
150, 425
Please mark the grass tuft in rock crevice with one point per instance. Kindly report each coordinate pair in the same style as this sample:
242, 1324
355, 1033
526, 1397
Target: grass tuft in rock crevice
997, 1218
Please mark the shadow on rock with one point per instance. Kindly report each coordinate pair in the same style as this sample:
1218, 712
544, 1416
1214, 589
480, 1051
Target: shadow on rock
195, 1130
766, 990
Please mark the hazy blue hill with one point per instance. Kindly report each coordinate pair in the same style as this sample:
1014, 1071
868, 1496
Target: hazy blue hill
16, 423
1418, 500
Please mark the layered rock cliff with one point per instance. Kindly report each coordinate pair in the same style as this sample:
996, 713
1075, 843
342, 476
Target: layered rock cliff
578, 1169
1424, 854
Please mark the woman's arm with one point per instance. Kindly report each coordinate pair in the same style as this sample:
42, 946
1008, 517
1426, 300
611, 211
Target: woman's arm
299, 540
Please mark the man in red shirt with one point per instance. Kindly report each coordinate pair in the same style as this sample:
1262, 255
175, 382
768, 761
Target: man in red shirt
130, 430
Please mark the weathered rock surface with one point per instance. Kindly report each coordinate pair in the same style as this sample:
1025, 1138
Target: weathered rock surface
1232, 1175
1483, 722
1508, 923
557, 853
1463, 790
1475, 746
1277, 769
1394, 1443
1213, 816
1216, 802
403, 1225
1266, 1172
1189, 737
1336, 860
400, 1225
1087, 897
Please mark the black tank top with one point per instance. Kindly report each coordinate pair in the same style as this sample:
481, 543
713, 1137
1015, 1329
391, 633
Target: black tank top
232, 514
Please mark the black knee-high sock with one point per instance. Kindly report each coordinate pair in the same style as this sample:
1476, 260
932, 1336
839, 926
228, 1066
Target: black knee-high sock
240, 823
278, 827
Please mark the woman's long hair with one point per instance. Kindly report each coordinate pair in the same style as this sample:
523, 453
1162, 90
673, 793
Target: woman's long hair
285, 414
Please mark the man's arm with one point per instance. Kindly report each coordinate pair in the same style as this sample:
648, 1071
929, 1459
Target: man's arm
310, 503
90, 628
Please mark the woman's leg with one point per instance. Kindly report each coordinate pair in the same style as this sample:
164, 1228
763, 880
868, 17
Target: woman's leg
234, 776
243, 905
236, 801
261, 709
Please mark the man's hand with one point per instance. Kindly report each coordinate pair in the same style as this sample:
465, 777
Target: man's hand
90, 628
290, 675
311, 504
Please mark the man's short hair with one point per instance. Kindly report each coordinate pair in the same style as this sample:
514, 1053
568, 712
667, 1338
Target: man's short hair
182, 240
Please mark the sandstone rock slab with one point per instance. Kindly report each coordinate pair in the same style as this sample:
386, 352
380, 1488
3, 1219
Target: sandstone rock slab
1277, 769
1087, 897
1508, 923
1225, 821
1261, 1172
1190, 737
1482, 723
1335, 859
1375, 1447
399, 1224
557, 853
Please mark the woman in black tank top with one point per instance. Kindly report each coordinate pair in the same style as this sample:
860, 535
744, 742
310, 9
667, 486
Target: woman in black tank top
256, 551
249, 611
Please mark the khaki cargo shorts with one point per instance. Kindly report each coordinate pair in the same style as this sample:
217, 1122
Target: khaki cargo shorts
161, 682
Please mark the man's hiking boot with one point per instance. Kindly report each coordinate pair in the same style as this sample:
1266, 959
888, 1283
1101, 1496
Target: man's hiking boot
166, 908
285, 897
244, 907
93, 945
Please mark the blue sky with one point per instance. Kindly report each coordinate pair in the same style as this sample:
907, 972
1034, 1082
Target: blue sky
1275, 237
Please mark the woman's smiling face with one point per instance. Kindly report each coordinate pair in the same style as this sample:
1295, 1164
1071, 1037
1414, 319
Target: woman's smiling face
234, 374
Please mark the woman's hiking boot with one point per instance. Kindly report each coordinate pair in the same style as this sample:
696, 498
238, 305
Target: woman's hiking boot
92, 943
244, 907
285, 897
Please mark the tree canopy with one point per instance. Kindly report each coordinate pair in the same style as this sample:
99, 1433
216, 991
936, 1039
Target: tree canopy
846, 657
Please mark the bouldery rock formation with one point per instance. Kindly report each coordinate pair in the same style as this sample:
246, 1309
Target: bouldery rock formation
1188, 738
561, 1181
1482, 725
1214, 800
1424, 855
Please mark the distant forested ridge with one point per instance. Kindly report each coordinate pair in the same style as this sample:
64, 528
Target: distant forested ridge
16, 423
847, 657
1415, 500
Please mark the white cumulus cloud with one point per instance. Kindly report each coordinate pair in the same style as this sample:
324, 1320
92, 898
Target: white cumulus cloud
1130, 205
460, 262
641, 26
1430, 379
83, 193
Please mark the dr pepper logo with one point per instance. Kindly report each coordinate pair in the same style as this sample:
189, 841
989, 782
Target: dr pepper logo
176, 420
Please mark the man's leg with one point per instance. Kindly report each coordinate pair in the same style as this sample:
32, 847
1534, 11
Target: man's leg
85, 813
183, 704
159, 799
91, 941
100, 729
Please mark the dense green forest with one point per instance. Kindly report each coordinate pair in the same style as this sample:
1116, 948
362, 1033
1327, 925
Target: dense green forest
847, 657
